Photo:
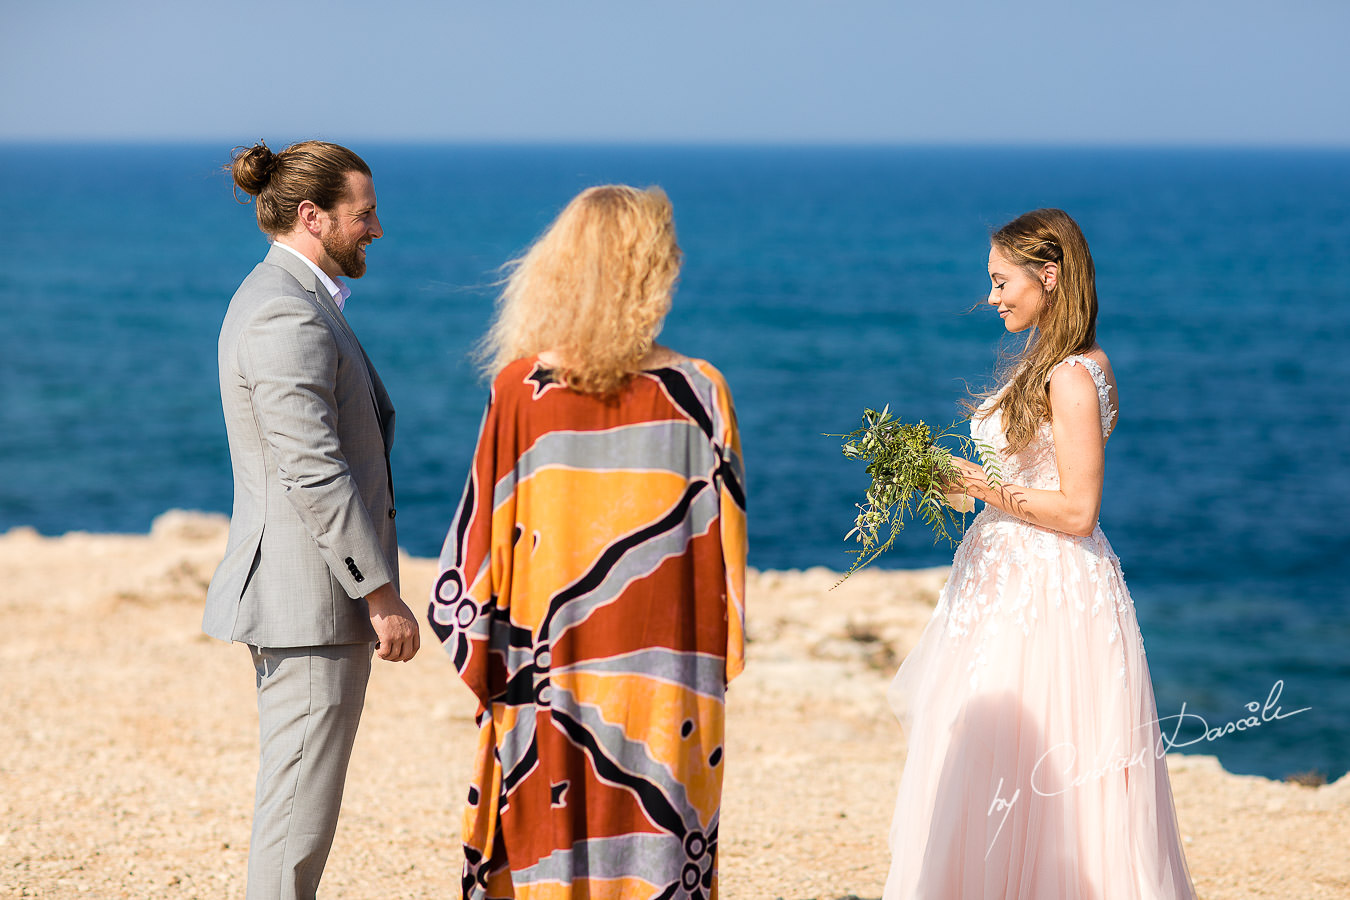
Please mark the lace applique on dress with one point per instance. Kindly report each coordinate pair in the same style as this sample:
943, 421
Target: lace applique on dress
1108, 411
992, 565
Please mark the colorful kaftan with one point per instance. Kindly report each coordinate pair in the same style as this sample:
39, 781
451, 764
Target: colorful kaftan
591, 595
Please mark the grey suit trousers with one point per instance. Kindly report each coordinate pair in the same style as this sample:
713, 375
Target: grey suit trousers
309, 705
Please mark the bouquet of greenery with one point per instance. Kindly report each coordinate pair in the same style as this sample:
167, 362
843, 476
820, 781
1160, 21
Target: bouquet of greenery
911, 476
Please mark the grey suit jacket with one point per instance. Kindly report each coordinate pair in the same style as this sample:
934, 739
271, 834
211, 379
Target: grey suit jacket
309, 426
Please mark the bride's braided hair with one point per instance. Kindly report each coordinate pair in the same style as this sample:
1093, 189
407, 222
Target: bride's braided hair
1067, 323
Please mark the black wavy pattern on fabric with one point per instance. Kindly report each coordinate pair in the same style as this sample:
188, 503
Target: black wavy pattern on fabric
462, 650
655, 803
682, 392
520, 688
473, 864
465, 517
615, 552
523, 768
478, 870
686, 398
727, 475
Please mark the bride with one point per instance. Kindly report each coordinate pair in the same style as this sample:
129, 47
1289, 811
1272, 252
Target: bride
1035, 764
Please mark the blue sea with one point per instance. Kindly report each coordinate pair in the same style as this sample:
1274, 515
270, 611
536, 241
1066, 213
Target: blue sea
821, 281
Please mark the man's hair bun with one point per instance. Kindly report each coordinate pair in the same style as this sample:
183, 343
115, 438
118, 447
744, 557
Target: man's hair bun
253, 167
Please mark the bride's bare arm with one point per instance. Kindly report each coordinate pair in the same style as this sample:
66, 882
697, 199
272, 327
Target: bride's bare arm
1079, 451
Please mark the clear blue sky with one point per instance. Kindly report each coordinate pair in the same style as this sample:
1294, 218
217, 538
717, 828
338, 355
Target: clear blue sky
945, 71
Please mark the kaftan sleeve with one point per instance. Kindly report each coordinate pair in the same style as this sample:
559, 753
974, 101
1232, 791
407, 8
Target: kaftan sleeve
472, 590
732, 521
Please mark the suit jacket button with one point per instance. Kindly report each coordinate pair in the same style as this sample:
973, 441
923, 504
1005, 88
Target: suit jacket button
392, 513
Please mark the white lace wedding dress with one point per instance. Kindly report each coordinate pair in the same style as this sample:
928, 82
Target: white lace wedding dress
1034, 766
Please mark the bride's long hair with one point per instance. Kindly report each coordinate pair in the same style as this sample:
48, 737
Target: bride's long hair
595, 289
1067, 323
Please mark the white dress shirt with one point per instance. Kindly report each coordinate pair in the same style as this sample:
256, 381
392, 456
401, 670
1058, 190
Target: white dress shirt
339, 290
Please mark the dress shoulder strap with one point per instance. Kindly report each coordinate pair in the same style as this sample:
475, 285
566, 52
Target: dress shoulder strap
1108, 412
1087, 362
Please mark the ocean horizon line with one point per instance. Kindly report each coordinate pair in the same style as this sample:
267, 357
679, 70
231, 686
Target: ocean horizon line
1145, 147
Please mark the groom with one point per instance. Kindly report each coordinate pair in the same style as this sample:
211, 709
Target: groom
310, 576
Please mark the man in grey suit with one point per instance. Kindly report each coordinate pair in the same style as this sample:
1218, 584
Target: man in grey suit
310, 576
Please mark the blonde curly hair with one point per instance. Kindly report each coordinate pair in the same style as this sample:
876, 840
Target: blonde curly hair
594, 289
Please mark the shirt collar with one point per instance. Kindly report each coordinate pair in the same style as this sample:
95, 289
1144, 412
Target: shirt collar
336, 288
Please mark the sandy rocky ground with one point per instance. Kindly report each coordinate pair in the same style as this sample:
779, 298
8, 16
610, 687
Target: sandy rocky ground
128, 745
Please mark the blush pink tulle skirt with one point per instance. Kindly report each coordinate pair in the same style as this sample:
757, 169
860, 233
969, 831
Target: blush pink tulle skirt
1035, 761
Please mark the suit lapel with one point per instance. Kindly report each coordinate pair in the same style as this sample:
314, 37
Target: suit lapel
323, 300
383, 404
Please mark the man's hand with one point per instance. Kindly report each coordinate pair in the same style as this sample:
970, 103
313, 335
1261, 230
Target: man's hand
395, 627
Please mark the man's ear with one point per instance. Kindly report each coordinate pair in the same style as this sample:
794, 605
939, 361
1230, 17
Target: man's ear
309, 214
1050, 276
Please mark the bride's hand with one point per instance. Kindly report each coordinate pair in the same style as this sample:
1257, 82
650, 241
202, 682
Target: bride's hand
959, 493
972, 476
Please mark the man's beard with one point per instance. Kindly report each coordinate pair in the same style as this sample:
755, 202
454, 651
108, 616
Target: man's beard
346, 254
